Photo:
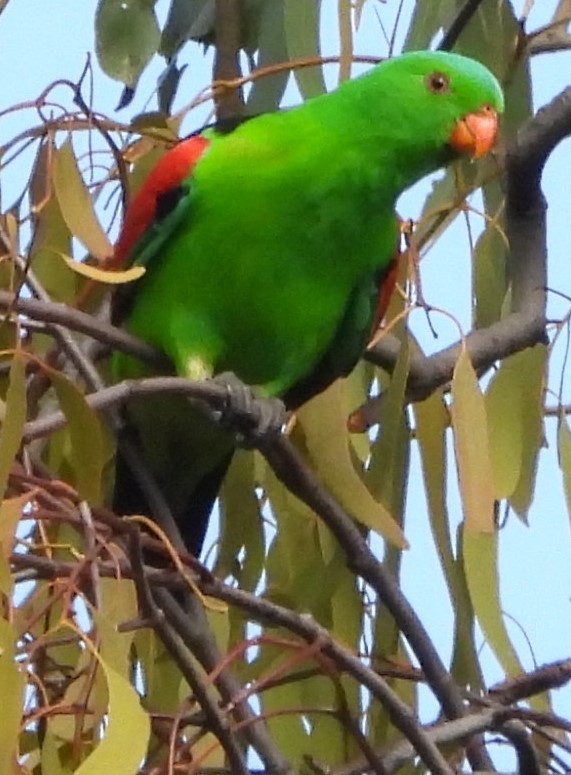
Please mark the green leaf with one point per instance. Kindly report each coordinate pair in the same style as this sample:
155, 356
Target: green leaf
302, 37
86, 437
51, 232
427, 20
330, 741
161, 675
471, 447
76, 205
432, 420
127, 36
267, 92
490, 278
186, 20
295, 546
388, 470
514, 413
13, 419
241, 522
324, 424
286, 729
533, 362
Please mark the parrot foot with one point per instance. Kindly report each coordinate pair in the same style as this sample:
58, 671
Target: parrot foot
253, 420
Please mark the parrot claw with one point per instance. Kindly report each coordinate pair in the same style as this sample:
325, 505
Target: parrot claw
253, 420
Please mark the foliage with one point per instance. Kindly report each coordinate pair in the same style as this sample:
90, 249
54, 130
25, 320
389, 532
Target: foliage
111, 664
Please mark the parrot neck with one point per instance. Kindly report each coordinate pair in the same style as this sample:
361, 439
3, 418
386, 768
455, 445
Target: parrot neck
384, 137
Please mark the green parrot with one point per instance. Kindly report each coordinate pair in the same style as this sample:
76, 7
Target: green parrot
270, 250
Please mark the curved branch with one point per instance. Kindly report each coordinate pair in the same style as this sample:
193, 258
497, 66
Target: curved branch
517, 734
526, 232
207, 391
58, 314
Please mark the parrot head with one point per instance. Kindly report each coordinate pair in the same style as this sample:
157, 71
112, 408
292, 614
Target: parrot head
445, 100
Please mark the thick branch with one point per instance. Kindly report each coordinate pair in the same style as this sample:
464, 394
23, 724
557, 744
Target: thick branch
291, 470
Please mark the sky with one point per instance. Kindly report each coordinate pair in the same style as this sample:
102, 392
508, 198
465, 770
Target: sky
41, 41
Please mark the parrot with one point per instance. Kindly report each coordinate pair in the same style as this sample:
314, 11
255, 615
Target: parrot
269, 250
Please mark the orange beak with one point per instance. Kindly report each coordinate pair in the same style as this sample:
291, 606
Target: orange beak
475, 133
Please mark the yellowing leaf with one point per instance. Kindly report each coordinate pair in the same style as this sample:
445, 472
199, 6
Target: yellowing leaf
324, 424
480, 552
503, 409
564, 449
472, 448
533, 366
207, 752
10, 514
489, 276
103, 275
76, 205
50, 759
514, 412
124, 744
12, 681
118, 604
431, 422
14, 418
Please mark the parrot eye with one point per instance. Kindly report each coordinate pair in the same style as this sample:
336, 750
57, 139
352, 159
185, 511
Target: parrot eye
439, 83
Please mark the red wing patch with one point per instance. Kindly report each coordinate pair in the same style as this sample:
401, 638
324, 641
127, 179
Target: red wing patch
168, 173
385, 292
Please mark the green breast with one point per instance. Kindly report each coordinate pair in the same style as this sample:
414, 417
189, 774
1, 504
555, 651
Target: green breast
258, 276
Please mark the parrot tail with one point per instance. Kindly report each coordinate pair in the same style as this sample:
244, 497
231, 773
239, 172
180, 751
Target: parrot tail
192, 520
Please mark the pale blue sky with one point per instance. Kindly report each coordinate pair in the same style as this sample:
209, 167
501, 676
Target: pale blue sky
41, 41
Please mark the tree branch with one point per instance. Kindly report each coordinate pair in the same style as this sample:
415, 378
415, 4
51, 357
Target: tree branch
517, 734
292, 471
61, 315
526, 232
228, 27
